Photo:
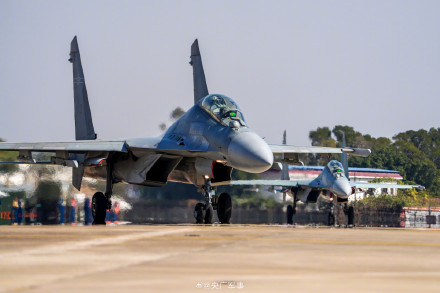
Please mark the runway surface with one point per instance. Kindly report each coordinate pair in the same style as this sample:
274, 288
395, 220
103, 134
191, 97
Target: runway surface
236, 258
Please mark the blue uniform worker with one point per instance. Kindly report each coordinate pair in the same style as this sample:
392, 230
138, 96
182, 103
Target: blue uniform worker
87, 211
62, 208
19, 214
72, 211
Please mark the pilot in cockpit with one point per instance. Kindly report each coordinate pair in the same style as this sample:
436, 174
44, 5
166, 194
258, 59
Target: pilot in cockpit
336, 168
218, 105
224, 110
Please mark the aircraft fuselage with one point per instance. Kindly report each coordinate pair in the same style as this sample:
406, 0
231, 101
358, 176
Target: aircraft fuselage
212, 149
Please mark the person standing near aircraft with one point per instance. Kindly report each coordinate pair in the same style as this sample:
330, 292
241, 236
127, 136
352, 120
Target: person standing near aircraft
87, 211
62, 209
116, 213
73, 211
14, 211
19, 214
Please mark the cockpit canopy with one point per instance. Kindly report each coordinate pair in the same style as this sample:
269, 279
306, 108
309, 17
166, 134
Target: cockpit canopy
336, 168
223, 109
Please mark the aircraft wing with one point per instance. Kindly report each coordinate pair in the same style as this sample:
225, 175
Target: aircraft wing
312, 184
95, 148
385, 185
289, 154
292, 183
74, 146
66, 152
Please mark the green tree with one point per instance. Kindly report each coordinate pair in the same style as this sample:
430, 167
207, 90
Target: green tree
8, 157
174, 115
177, 113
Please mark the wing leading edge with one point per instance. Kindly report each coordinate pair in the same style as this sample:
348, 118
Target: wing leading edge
309, 183
289, 154
74, 146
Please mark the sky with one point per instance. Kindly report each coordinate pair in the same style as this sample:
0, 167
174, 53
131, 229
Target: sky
294, 65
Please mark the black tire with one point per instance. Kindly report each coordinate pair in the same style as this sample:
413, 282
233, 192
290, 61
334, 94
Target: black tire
99, 208
289, 214
199, 213
209, 213
350, 216
331, 219
224, 208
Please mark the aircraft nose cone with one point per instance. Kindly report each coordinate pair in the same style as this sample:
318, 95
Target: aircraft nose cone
249, 152
342, 188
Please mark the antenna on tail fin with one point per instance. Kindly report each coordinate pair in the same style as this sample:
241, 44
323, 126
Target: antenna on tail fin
83, 117
200, 87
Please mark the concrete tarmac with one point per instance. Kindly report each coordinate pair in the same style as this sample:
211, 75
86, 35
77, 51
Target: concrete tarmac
235, 258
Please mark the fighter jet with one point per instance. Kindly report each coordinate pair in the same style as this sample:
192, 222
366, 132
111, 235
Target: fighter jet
332, 183
201, 148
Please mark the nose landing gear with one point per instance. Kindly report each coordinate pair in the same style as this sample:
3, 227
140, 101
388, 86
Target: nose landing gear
291, 209
204, 213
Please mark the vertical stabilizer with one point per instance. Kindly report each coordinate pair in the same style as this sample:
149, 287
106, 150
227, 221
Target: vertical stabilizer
285, 167
83, 118
200, 87
84, 129
344, 157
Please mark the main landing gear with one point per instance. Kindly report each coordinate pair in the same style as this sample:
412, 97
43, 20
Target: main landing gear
291, 209
331, 214
349, 212
102, 202
204, 212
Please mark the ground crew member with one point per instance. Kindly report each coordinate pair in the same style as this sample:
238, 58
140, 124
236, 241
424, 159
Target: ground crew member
72, 211
39, 209
116, 213
19, 214
14, 211
87, 211
108, 216
62, 208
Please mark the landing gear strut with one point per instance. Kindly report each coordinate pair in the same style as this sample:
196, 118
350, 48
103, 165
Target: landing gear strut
204, 213
349, 212
102, 202
331, 214
224, 208
291, 209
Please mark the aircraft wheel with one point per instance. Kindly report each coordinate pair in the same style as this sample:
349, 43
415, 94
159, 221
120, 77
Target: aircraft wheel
199, 213
209, 213
331, 219
289, 213
224, 208
99, 208
350, 216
